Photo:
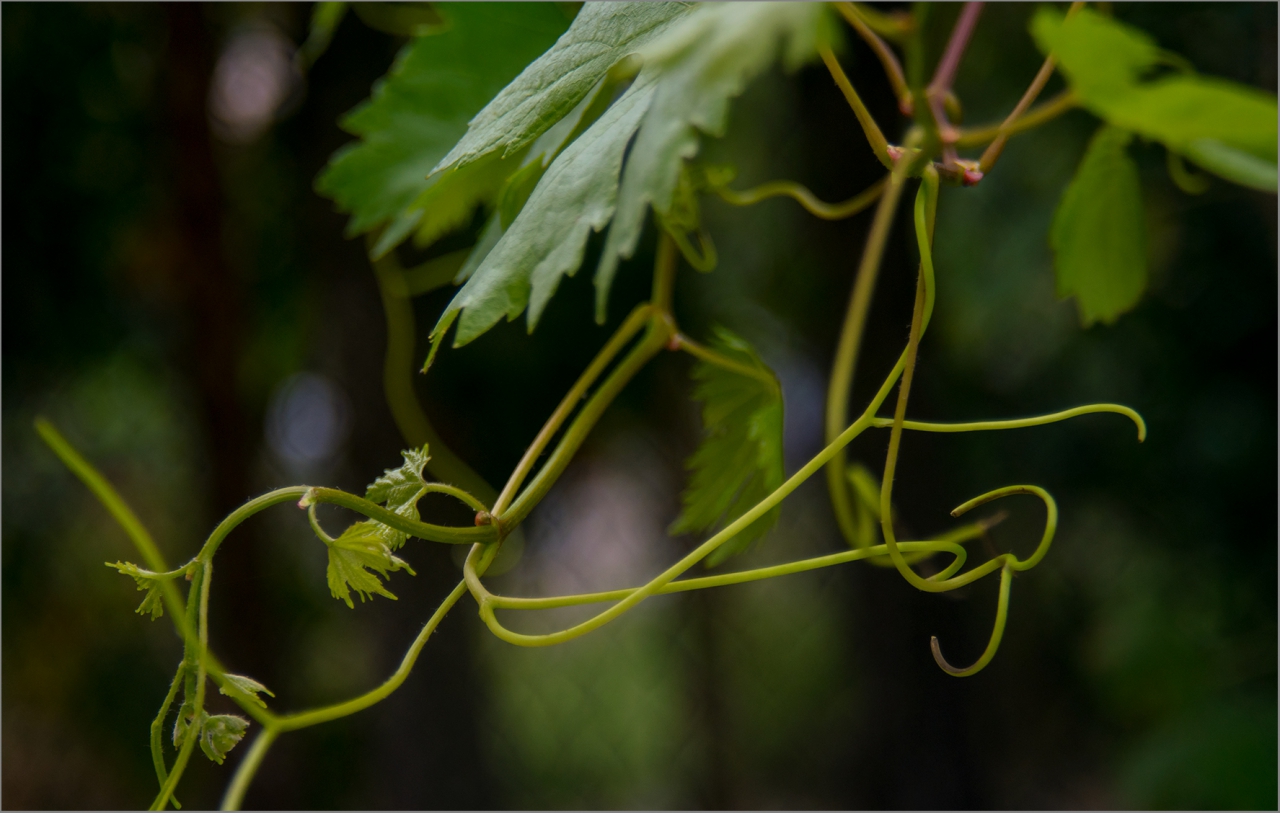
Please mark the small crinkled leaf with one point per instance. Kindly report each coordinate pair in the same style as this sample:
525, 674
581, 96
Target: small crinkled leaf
739, 462
153, 601
360, 548
247, 685
400, 489
1232, 127
220, 734
186, 723
1098, 233
699, 64
602, 35
422, 107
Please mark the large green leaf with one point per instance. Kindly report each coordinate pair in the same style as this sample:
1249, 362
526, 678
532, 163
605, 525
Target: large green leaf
700, 65
1098, 231
422, 107
601, 36
546, 241
1228, 128
739, 462
692, 64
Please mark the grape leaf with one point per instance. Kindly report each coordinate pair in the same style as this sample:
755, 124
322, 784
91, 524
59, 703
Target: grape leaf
400, 489
248, 686
548, 237
153, 601
601, 36
739, 462
421, 108
361, 546
220, 734
702, 63
1227, 128
691, 65
1098, 234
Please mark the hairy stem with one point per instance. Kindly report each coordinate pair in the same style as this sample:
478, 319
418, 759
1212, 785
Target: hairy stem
247, 768
449, 534
157, 731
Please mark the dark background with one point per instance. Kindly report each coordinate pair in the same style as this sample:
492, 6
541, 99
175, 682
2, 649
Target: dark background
166, 279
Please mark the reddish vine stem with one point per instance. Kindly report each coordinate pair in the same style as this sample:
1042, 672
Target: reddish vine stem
944, 76
992, 153
885, 54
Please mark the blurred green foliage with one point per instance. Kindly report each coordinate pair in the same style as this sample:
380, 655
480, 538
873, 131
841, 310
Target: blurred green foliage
1139, 666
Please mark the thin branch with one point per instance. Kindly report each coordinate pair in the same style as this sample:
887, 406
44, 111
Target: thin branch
944, 76
1047, 111
801, 195
882, 50
872, 130
992, 153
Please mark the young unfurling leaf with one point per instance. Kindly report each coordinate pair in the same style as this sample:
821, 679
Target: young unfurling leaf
361, 546
248, 686
152, 602
740, 460
400, 489
220, 734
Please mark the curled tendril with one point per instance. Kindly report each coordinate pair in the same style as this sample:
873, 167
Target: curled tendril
997, 632
1007, 564
703, 258
801, 194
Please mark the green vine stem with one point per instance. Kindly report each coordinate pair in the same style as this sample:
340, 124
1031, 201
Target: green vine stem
115, 506
157, 730
625, 332
875, 138
399, 368
682, 342
843, 366
800, 194
449, 534
1038, 115
659, 330
992, 153
892, 68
